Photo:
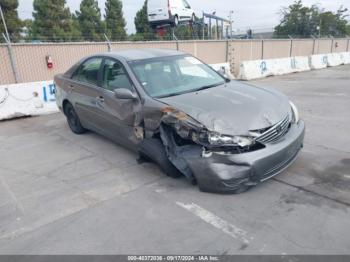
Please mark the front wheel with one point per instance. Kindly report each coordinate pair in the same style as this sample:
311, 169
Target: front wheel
153, 149
73, 120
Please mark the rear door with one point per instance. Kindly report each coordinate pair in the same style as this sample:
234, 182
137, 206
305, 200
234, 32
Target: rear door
119, 117
84, 91
158, 10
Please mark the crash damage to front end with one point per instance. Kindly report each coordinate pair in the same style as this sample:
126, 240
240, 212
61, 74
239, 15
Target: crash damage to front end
228, 168
223, 163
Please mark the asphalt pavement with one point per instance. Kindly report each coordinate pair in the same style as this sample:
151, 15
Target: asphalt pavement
66, 194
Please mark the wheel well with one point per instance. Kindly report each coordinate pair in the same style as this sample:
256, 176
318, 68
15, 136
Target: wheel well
64, 104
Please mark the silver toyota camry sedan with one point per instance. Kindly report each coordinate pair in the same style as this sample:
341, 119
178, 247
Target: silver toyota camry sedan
172, 109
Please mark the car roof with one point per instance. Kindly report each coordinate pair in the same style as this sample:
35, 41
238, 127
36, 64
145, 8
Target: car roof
141, 54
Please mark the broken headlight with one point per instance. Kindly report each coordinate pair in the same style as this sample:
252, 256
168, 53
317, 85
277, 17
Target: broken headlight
216, 139
295, 113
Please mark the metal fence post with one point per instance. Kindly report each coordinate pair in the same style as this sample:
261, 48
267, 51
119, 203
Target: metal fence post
332, 44
108, 43
227, 50
9, 47
12, 59
291, 46
203, 26
313, 46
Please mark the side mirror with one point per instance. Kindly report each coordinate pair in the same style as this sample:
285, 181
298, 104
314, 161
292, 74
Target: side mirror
224, 74
221, 71
123, 93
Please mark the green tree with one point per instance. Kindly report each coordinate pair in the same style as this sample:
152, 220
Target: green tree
52, 21
27, 28
302, 21
14, 24
334, 24
114, 19
91, 26
143, 29
297, 20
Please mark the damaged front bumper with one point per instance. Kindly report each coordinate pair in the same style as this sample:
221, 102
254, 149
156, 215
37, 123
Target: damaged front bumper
226, 173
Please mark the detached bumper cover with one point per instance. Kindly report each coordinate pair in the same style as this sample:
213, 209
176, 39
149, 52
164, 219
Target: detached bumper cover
225, 173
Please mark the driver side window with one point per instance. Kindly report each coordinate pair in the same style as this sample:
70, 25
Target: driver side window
115, 76
88, 71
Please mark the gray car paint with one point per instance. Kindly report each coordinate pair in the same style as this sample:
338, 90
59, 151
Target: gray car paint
234, 108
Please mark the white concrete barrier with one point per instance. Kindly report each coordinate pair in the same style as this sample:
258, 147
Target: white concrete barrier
254, 69
282, 66
27, 99
345, 57
261, 68
225, 68
318, 61
300, 63
334, 59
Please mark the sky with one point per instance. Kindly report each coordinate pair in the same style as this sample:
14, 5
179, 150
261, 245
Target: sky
256, 14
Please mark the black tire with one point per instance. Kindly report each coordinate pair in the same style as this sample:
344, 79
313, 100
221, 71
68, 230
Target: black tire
154, 150
73, 120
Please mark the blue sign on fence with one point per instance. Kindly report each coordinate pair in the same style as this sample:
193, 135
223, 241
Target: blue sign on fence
49, 93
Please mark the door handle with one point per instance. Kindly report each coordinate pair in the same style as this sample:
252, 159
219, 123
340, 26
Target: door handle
100, 99
71, 88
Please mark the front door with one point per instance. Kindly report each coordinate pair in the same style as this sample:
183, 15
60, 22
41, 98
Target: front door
120, 116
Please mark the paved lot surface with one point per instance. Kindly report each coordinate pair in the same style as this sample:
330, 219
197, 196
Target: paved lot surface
67, 194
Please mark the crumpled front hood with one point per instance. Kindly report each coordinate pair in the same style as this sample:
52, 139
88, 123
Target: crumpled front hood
234, 108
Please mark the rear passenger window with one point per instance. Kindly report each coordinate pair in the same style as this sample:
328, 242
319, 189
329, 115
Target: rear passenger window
115, 76
88, 71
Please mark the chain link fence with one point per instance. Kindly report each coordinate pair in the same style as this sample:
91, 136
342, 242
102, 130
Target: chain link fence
31, 58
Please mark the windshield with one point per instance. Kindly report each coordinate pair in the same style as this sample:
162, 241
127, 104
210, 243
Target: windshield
176, 75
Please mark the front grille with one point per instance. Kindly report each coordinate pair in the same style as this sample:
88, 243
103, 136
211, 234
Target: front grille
279, 167
275, 132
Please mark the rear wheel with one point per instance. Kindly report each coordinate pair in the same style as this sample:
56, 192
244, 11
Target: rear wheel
154, 150
73, 120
